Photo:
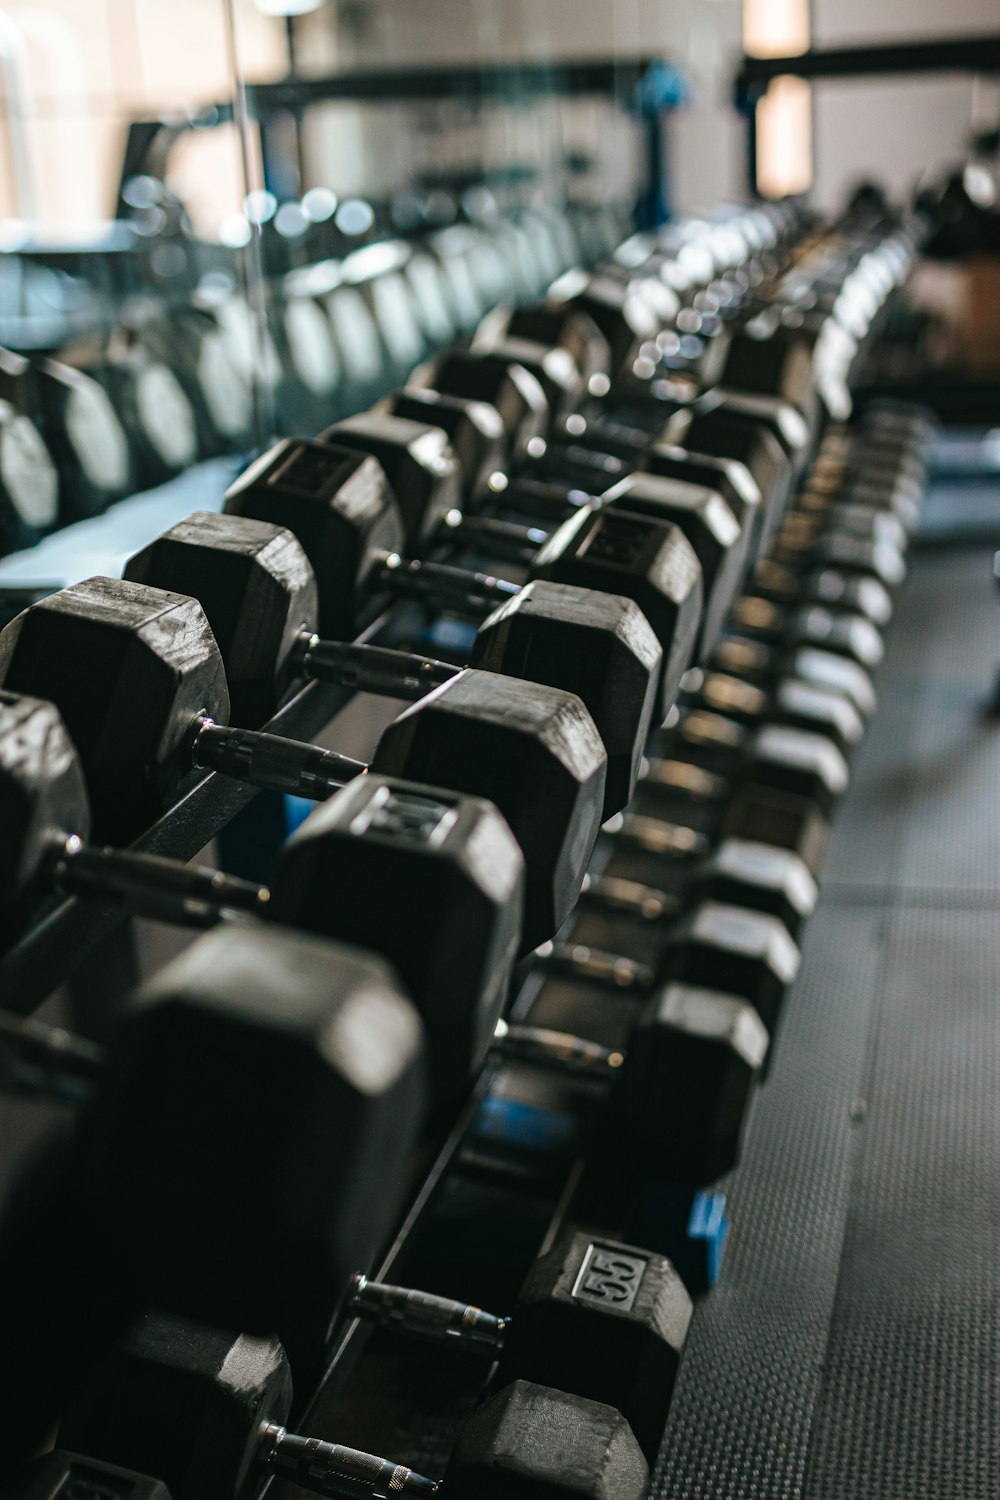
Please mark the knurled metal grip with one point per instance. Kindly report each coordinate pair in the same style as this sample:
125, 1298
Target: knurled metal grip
330, 1469
372, 669
440, 1319
153, 885
457, 588
271, 762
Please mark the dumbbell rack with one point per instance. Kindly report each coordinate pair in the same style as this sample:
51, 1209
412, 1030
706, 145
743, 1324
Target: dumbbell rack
37, 965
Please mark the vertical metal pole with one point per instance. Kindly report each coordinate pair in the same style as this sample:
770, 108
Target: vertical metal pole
251, 261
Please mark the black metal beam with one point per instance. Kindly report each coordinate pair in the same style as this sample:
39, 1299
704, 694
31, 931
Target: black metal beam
970, 54
473, 80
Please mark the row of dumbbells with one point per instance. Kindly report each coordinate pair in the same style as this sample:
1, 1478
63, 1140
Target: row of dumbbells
560, 1342
81, 432
697, 895
410, 818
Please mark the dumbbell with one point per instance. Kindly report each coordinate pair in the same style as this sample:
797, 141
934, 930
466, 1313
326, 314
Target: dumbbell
60, 1475
599, 1319
190, 342
29, 478
776, 786
876, 556
154, 408
264, 602
85, 437
858, 593
719, 534
448, 863
94, 648
739, 950
207, 1410
316, 490
758, 663
840, 632
474, 429
752, 874
795, 702
246, 1139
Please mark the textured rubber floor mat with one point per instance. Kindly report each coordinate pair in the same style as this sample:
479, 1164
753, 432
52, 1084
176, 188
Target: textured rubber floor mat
851, 1350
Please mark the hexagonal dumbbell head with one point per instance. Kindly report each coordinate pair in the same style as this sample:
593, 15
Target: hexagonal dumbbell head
609, 1320
501, 383
647, 561
422, 471
599, 646
255, 584
745, 953
709, 525
552, 365
264, 1091
449, 870
42, 795
535, 753
474, 430
130, 669
761, 876
339, 504
542, 1444
693, 1060
185, 1401
796, 762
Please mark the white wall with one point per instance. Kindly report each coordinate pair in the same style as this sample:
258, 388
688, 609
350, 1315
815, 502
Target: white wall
893, 128
701, 36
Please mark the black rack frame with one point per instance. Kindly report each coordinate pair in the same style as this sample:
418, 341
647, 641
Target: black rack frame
652, 87
970, 54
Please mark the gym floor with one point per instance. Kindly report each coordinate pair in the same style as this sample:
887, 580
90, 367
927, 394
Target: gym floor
849, 1351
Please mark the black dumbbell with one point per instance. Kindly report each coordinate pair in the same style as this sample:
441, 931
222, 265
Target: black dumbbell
743, 951
830, 588
316, 490
85, 437
474, 429
206, 1410
139, 680
679, 1093
842, 632
792, 701
504, 384
756, 662
154, 409
757, 876
264, 603
596, 1318
29, 478
447, 864
246, 1144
